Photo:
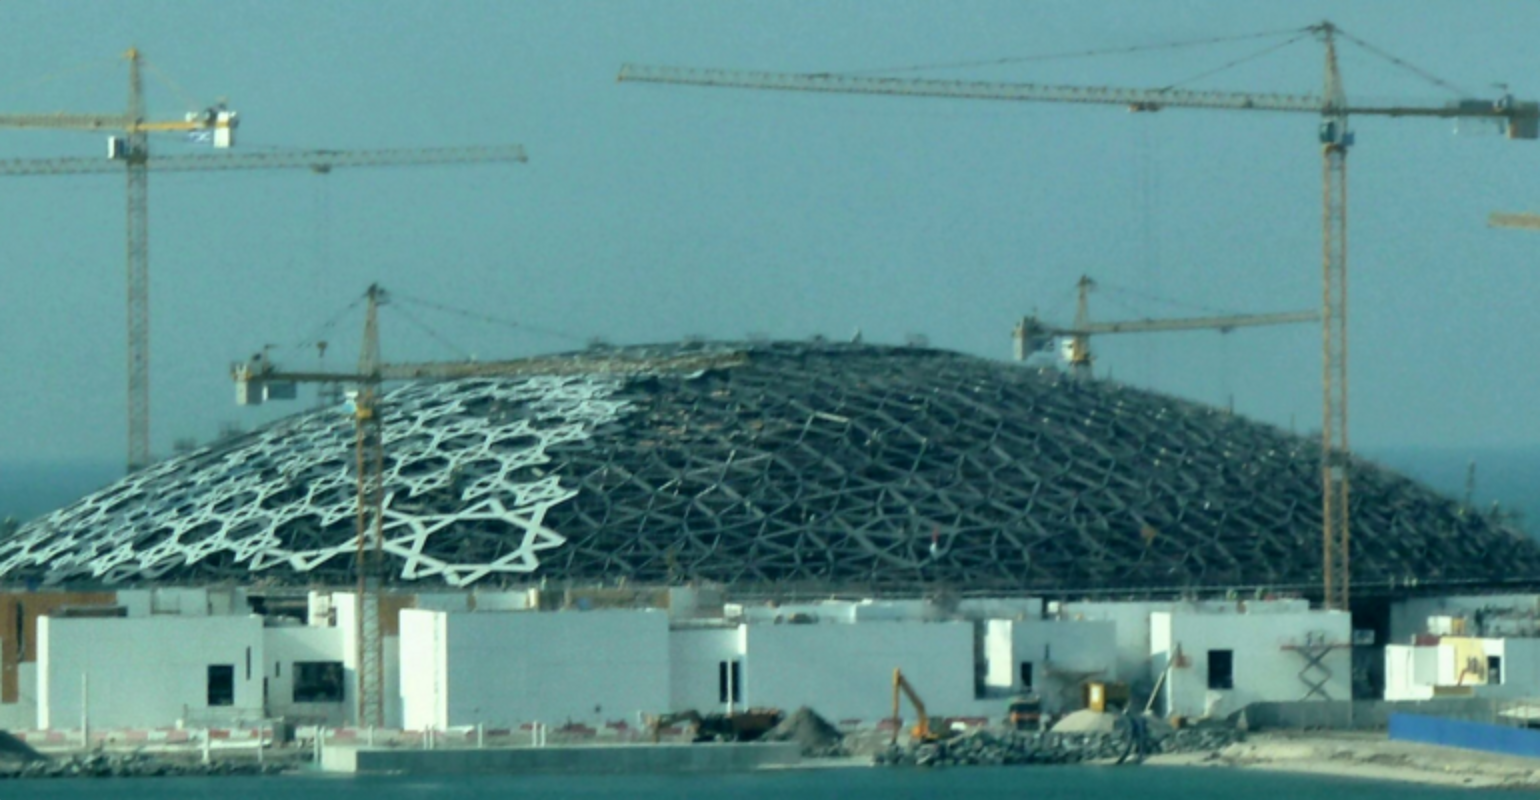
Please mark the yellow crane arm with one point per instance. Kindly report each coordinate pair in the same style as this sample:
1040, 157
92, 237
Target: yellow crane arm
1220, 323
1522, 118
901, 685
314, 160
109, 122
1521, 221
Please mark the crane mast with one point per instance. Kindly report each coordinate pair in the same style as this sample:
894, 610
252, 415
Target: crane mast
1520, 120
1335, 452
129, 152
256, 379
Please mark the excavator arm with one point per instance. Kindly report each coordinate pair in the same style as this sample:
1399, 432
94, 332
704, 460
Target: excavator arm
901, 686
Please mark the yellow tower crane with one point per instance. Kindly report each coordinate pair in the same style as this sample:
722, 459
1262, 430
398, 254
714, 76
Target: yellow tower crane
259, 380
1033, 334
1521, 120
130, 153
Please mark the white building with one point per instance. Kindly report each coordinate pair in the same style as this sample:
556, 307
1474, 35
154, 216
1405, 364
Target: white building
1216, 664
1050, 658
574, 667
157, 671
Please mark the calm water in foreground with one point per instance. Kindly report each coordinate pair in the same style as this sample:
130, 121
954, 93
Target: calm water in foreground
1048, 783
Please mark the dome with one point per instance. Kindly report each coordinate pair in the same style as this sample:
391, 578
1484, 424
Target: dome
774, 466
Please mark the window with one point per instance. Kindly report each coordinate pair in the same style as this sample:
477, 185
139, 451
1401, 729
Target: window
318, 682
1221, 669
729, 681
1494, 669
1026, 674
221, 690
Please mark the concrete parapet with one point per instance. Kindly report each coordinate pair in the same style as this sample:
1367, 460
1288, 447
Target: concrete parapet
563, 760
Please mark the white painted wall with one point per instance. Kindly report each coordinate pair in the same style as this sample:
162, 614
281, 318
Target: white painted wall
1133, 627
287, 644
1064, 655
424, 669
588, 667
845, 672
146, 672
695, 656
1263, 669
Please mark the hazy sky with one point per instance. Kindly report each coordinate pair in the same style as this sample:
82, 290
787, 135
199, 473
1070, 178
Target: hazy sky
650, 213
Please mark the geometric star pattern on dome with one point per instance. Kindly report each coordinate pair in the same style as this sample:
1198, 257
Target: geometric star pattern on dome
463, 461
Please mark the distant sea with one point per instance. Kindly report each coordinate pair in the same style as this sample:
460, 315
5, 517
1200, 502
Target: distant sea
1509, 477
985, 783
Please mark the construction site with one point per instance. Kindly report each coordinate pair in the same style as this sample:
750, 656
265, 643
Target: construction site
689, 541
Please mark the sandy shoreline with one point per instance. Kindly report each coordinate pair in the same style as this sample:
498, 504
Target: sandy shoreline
1369, 756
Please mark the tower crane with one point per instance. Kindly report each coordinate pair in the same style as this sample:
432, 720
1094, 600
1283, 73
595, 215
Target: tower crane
1033, 334
128, 151
1520, 119
259, 380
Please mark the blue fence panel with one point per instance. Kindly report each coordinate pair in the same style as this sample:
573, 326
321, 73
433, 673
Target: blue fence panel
1466, 735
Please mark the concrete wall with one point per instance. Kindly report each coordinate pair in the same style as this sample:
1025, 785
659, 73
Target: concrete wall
695, 657
1133, 626
1064, 655
284, 645
1264, 669
147, 672
424, 669
666, 758
590, 667
845, 672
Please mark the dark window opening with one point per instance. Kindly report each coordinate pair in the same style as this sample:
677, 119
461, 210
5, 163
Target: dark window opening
277, 669
248, 663
1494, 669
318, 682
1221, 669
221, 690
1026, 674
729, 682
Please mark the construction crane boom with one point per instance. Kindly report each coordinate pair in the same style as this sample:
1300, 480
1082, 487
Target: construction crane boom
1522, 119
1033, 334
129, 152
321, 161
1216, 323
1520, 221
258, 380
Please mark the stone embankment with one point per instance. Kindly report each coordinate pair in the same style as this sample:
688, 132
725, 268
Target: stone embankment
992, 747
131, 765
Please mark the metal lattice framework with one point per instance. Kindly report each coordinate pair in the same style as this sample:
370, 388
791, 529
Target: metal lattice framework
818, 466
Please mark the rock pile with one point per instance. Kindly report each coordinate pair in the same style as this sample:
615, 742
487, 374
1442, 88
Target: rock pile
987, 747
131, 765
818, 738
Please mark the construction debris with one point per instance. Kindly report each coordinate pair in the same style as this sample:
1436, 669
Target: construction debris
132, 765
986, 747
817, 737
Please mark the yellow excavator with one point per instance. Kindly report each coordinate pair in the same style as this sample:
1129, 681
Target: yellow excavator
921, 732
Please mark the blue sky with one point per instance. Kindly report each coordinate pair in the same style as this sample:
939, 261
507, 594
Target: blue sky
651, 213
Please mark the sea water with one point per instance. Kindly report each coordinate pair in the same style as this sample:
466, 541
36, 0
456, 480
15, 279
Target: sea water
1019, 783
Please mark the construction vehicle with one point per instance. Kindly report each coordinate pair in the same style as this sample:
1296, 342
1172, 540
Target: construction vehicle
1024, 713
1033, 334
734, 726
922, 730
1518, 119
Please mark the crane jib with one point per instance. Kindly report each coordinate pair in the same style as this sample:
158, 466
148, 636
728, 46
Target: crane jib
1522, 118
